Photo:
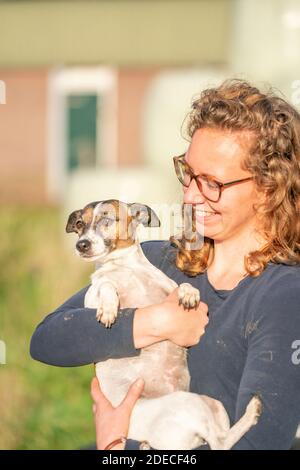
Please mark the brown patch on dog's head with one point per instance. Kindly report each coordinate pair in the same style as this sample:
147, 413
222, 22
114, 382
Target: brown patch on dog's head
88, 213
80, 219
131, 215
118, 212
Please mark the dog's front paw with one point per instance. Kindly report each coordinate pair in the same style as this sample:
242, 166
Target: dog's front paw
107, 310
188, 295
254, 408
144, 445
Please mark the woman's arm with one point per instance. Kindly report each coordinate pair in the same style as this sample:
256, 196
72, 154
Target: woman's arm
71, 336
271, 369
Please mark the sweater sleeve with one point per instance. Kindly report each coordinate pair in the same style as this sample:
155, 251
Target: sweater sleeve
272, 368
71, 335
132, 445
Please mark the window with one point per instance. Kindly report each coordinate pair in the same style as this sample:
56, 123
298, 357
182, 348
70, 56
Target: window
82, 130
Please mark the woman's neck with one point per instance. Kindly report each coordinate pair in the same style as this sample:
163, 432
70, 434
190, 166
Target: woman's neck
228, 260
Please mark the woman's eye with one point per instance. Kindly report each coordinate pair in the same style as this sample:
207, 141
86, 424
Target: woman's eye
212, 184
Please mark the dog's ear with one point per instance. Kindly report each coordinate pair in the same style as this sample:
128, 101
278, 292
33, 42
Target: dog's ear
73, 218
144, 215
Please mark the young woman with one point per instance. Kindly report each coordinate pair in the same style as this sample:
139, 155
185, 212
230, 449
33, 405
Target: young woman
241, 174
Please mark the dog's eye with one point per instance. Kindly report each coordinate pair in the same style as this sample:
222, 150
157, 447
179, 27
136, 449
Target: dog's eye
106, 221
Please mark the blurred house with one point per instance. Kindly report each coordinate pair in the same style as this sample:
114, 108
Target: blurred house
96, 91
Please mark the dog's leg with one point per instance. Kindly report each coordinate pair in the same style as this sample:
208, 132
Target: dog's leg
249, 419
108, 304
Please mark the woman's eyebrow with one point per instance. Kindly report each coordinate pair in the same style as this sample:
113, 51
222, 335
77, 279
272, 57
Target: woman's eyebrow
204, 174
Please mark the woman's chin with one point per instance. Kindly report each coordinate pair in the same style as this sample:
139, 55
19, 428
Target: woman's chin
207, 230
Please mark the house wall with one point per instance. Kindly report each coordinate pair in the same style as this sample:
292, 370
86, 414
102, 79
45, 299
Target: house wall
37, 38
23, 137
133, 85
118, 32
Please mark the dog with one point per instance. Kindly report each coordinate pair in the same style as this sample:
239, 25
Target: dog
167, 416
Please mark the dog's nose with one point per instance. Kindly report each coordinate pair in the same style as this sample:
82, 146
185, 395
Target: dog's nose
83, 245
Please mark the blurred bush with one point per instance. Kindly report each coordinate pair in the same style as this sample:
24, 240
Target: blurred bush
41, 407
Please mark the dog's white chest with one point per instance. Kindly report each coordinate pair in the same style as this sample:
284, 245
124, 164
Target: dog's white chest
163, 366
138, 285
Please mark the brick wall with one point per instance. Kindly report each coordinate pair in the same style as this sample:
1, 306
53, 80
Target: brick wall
23, 137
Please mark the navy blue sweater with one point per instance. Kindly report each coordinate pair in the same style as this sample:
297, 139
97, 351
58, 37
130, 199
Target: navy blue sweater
250, 344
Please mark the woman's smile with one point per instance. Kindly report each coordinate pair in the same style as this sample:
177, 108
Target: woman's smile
203, 215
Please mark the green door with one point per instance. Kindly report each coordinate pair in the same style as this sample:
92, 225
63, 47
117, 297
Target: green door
82, 131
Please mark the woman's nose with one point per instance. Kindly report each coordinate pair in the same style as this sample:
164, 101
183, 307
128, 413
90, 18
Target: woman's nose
192, 194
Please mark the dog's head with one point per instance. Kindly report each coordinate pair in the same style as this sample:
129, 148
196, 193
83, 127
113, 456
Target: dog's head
104, 226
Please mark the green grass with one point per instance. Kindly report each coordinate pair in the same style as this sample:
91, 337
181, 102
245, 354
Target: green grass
41, 407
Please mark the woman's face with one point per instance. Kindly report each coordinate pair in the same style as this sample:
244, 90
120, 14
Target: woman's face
219, 153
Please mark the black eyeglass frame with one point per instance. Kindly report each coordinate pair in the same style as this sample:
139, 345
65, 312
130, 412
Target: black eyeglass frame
221, 186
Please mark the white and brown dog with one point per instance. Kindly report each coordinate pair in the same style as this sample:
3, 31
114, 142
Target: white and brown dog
167, 416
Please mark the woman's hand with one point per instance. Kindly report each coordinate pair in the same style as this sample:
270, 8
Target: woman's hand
112, 423
183, 327
169, 320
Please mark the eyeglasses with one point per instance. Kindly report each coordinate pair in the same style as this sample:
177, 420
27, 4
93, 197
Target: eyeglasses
208, 186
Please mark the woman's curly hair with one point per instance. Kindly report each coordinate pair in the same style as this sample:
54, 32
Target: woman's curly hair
273, 160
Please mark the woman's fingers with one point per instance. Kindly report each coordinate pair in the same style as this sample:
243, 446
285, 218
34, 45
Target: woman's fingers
95, 389
133, 394
101, 402
173, 295
97, 395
